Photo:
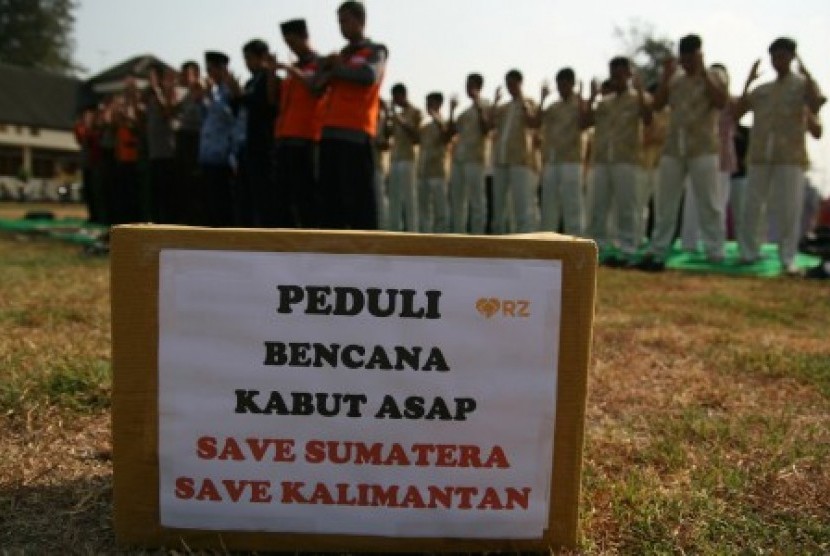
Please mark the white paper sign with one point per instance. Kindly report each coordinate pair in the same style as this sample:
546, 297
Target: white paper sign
357, 394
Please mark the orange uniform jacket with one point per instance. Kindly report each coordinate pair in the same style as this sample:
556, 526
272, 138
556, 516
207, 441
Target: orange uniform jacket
352, 105
301, 112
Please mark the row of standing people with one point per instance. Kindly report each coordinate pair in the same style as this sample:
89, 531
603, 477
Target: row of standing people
304, 150
291, 147
633, 147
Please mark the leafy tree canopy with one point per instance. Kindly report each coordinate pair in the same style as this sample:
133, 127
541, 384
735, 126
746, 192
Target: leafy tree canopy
38, 34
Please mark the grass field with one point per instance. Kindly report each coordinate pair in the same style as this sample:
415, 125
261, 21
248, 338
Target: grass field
708, 425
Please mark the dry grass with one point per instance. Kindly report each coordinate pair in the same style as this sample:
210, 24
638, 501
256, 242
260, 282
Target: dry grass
708, 424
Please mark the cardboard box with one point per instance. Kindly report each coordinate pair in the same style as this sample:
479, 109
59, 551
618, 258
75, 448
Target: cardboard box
224, 339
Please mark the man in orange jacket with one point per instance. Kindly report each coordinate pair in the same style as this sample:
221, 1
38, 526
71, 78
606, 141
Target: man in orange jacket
297, 131
352, 78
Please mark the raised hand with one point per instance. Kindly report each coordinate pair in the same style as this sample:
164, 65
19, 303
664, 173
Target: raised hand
700, 65
497, 96
594, 88
453, 103
802, 69
154, 80
270, 63
636, 81
233, 83
754, 72
334, 60
545, 90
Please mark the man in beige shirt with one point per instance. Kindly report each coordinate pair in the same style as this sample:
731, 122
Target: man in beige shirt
562, 124
695, 96
467, 195
618, 122
513, 177
777, 154
432, 169
403, 194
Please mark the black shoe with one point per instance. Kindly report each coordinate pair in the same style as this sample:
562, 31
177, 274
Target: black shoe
613, 261
650, 263
818, 272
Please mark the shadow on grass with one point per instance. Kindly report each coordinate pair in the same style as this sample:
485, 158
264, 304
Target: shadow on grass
75, 517
72, 517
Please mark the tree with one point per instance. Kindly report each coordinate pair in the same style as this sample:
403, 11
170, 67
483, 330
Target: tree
38, 34
645, 49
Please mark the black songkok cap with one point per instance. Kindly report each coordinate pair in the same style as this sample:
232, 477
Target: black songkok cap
214, 57
783, 43
294, 27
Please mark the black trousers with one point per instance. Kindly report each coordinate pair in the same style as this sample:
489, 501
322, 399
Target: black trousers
108, 180
218, 197
127, 194
346, 185
253, 194
298, 198
189, 179
88, 192
165, 198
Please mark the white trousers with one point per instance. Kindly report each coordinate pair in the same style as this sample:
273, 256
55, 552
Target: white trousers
737, 196
691, 229
514, 184
703, 173
615, 185
780, 186
468, 198
562, 198
403, 197
380, 199
434, 207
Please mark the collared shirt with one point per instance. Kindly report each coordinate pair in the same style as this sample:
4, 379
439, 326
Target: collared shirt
779, 127
432, 160
472, 142
693, 123
561, 132
403, 147
512, 142
217, 128
619, 129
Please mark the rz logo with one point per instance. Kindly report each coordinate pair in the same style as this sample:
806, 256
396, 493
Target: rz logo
492, 306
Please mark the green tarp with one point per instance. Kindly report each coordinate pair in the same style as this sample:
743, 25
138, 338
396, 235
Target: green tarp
74, 230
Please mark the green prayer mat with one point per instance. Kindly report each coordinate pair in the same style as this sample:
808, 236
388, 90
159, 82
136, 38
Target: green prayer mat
77, 230
767, 265
73, 230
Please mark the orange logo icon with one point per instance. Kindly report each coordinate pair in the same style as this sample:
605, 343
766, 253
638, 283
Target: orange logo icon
488, 306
